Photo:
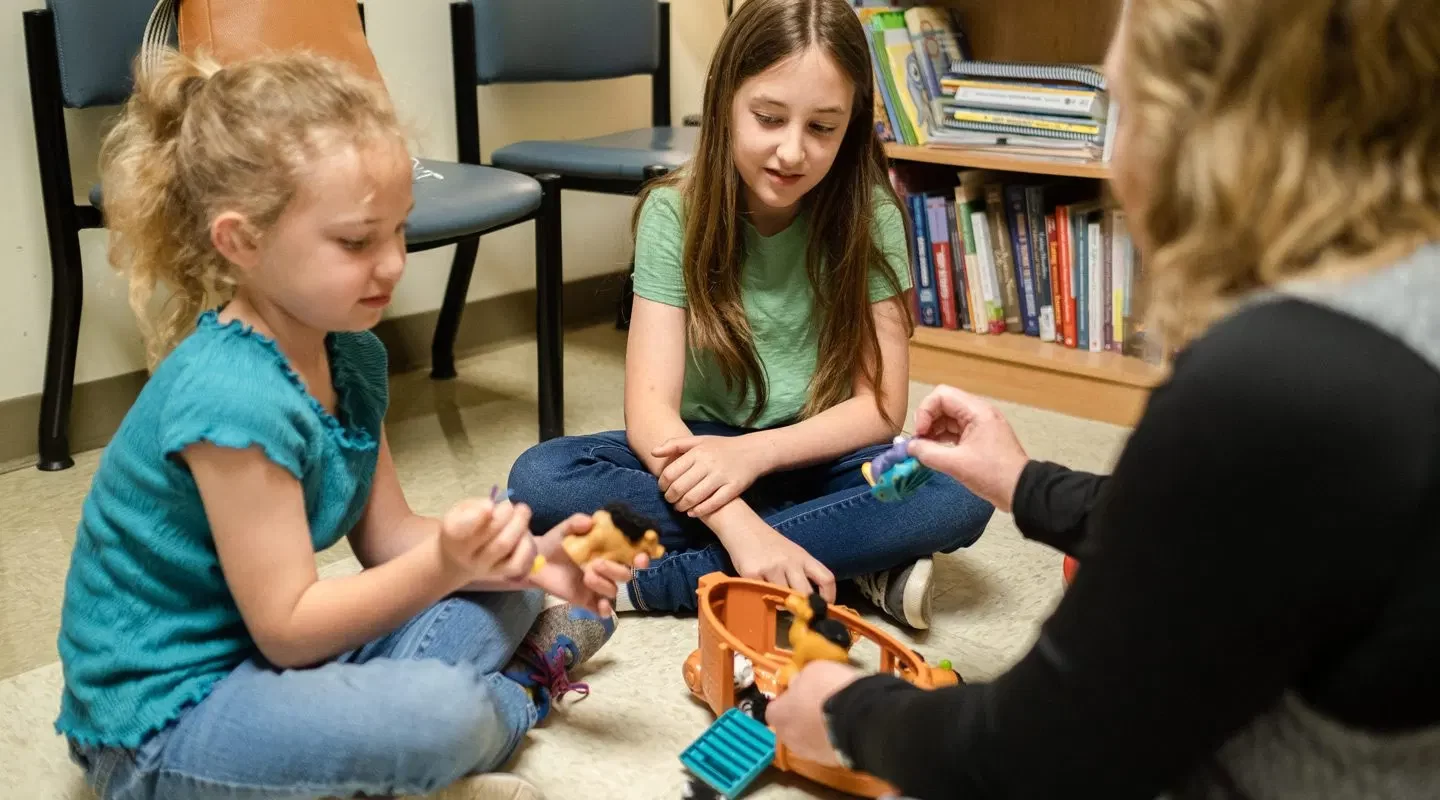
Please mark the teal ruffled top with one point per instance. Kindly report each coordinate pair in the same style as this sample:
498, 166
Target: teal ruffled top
148, 624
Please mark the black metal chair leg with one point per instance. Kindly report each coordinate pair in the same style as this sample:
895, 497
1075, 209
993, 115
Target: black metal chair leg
549, 311
67, 295
447, 326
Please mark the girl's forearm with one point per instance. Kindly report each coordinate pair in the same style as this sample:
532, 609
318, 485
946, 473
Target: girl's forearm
339, 614
413, 531
648, 427
839, 430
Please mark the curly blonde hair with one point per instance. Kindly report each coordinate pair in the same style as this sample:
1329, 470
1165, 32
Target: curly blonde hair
195, 141
1277, 139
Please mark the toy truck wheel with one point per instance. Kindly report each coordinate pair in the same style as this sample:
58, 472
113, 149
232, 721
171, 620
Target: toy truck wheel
692, 673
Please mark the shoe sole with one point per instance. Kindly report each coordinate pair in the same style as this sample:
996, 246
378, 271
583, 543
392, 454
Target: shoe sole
916, 600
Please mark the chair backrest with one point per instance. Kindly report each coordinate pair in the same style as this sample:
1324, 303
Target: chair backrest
526, 41
97, 42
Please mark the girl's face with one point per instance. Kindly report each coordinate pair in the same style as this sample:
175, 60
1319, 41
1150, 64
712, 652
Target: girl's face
789, 122
332, 259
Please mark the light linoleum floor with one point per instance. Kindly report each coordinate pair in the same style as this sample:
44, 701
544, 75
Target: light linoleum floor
458, 438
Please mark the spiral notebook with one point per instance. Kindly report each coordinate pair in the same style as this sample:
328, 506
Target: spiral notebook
1025, 71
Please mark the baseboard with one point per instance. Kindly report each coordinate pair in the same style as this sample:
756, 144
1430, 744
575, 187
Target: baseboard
98, 407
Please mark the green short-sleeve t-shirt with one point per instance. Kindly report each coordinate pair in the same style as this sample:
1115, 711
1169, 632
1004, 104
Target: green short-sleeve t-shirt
778, 300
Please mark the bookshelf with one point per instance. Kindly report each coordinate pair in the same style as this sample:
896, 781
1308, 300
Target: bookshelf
1000, 162
1103, 386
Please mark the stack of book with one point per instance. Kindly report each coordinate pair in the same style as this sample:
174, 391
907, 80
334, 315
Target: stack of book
930, 91
1050, 110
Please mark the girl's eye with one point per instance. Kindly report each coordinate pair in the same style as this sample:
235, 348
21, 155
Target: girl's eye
823, 130
355, 244
767, 120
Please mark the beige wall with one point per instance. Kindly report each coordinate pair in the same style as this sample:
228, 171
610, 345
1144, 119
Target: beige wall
411, 42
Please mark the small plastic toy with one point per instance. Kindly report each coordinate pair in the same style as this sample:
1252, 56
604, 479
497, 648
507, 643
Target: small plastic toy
814, 636
729, 755
617, 534
742, 657
1069, 568
895, 475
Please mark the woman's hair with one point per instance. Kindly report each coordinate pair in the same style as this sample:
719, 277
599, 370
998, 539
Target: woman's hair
1277, 140
195, 141
841, 252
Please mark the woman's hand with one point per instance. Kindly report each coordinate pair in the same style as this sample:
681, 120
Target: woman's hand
706, 472
966, 438
761, 553
595, 585
480, 541
798, 714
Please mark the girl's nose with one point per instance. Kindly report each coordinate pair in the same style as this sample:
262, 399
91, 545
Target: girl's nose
792, 147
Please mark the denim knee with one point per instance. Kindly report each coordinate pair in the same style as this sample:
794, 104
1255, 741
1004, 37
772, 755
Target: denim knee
534, 477
449, 721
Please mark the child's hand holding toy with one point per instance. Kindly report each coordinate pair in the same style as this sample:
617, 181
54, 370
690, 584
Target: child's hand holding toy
481, 541
594, 583
966, 438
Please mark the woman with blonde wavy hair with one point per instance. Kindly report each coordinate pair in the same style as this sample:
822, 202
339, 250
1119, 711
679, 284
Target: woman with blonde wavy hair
1255, 611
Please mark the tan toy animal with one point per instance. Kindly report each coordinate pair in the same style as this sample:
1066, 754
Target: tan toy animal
617, 534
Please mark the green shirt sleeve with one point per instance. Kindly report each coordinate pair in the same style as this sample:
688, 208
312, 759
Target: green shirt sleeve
659, 245
889, 234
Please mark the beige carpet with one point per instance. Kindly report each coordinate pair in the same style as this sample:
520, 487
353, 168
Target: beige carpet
458, 438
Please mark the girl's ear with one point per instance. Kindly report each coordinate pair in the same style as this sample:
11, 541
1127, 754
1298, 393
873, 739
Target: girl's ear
233, 237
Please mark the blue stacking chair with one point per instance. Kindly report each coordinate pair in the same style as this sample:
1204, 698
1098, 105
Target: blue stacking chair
529, 41
80, 54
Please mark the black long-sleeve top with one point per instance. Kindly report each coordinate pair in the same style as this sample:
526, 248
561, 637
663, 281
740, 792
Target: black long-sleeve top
1272, 526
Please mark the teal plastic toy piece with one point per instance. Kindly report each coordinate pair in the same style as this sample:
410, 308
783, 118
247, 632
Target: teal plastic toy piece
731, 753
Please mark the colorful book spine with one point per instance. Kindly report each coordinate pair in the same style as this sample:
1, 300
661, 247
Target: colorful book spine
924, 276
1012, 296
941, 257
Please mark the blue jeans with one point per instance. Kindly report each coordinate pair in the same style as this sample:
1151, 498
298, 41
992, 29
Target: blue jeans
826, 509
406, 714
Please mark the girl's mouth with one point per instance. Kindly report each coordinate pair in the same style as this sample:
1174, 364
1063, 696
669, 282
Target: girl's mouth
784, 179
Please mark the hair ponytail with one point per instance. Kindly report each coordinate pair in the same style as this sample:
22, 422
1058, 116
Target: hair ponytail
156, 232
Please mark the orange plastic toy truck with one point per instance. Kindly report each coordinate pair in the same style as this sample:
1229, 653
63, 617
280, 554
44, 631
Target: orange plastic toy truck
741, 617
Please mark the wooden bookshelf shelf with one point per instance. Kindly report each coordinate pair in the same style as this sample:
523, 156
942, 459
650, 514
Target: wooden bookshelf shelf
1103, 386
962, 158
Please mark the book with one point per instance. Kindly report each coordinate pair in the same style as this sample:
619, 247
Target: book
1039, 98
1083, 74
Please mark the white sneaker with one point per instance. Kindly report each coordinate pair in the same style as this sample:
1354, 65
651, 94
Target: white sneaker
490, 786
903, 592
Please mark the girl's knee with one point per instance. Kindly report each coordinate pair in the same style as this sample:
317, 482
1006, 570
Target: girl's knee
448, 723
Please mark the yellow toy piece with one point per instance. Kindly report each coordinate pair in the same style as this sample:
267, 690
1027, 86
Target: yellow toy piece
814, 636
616, 534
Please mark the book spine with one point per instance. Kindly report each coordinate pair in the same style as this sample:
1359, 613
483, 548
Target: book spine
988, 271
1097, 284
1012, 297
1061, 268
1034, 121
929, 308
941, 258
1038, 100
957, 259
1019, 229
1032, 206
1081, 246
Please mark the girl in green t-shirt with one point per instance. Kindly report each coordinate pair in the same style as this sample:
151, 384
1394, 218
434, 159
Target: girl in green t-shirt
768, 350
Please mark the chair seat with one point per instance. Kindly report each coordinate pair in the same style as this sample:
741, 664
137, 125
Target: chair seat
453, 200
619, 155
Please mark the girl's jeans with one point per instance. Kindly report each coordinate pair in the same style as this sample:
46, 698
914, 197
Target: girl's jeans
827, 509
406, 714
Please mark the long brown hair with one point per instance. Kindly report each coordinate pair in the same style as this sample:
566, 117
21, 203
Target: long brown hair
1276, 140
195, 141
841, 252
